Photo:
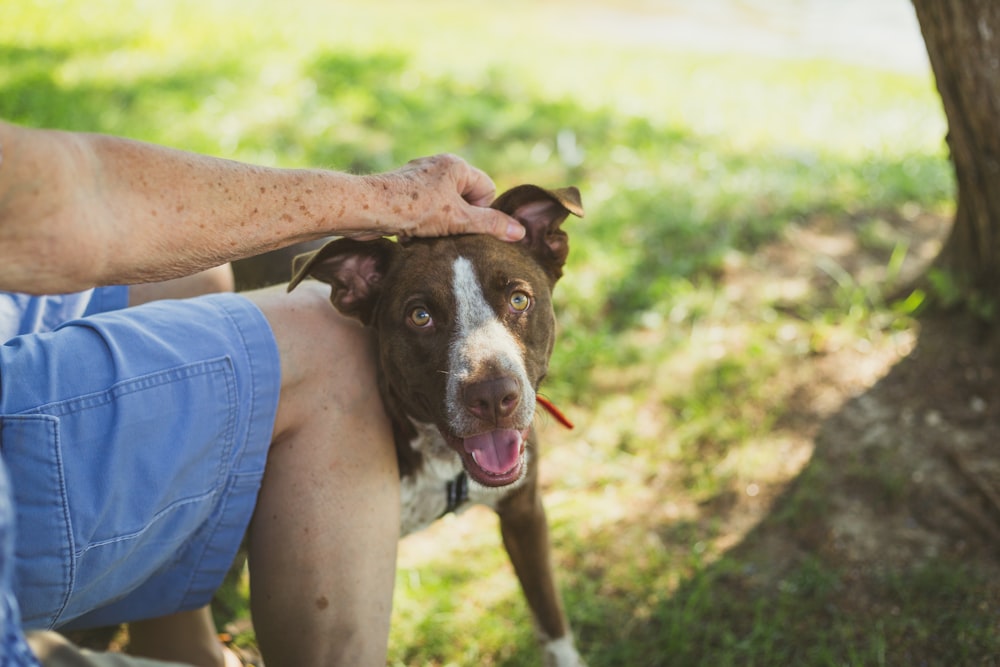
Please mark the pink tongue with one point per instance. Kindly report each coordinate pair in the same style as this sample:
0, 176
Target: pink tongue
496, 452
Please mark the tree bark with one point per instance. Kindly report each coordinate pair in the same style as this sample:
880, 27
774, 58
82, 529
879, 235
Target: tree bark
963, 42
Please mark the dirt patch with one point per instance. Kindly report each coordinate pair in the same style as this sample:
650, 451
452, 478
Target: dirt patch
916, 456
903, 476
911, 460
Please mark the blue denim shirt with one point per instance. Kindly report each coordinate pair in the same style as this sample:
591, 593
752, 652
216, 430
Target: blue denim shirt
20, 314
14, 652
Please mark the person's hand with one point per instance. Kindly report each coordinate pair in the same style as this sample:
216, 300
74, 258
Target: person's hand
438, 196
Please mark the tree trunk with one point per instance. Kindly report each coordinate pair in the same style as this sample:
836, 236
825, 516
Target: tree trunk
963, 42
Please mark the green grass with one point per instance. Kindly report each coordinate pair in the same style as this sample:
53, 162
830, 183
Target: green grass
692, 166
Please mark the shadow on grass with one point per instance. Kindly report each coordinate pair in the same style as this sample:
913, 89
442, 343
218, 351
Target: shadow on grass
882, 551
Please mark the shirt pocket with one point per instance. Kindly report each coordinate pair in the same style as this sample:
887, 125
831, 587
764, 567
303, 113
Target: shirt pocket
42, 512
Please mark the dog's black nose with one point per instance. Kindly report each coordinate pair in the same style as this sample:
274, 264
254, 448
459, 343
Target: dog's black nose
492, 400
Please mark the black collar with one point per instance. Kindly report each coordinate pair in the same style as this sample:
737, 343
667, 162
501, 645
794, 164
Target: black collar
457, 492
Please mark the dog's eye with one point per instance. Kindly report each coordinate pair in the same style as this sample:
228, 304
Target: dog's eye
520, 301
419, 317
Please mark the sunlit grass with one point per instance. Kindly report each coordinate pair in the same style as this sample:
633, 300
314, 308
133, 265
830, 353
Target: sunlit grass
683, 336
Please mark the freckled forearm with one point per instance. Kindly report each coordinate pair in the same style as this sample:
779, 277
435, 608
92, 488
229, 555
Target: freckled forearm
78, 210
179, 212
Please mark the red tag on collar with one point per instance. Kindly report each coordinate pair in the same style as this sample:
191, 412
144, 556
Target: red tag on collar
554, 411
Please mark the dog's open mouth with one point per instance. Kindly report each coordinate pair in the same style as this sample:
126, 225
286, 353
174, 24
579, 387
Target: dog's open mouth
494, 458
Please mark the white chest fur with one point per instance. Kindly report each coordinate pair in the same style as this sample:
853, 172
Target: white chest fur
424, 494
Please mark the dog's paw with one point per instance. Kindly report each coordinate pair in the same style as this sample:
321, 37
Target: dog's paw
562, 653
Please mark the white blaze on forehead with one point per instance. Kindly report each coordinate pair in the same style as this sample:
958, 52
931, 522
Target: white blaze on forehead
480, 340
471, 308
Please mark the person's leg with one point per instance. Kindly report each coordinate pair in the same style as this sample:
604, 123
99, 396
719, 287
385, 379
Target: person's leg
189, 637
334, 591
54, 650
183, 400
324, 533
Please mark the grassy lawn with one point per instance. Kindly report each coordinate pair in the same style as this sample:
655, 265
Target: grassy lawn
746, 219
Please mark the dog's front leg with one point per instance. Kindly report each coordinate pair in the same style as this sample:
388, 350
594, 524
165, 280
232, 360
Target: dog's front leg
525, 533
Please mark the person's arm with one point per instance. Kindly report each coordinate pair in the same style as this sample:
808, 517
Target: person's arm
79, 210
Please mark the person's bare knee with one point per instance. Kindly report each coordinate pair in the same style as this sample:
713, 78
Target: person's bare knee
323, 537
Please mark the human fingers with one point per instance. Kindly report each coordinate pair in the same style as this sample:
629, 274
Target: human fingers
451, 173
475, 186
495, 223
478, 190
455, 200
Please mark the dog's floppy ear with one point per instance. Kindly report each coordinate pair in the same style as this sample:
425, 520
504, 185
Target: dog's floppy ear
353, 269
541, 212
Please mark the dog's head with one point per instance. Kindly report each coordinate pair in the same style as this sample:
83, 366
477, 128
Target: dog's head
464, 324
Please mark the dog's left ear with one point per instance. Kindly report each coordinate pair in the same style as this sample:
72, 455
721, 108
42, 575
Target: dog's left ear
352, 269
541, 212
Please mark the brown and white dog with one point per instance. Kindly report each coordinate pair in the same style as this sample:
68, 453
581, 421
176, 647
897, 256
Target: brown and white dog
464, 328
